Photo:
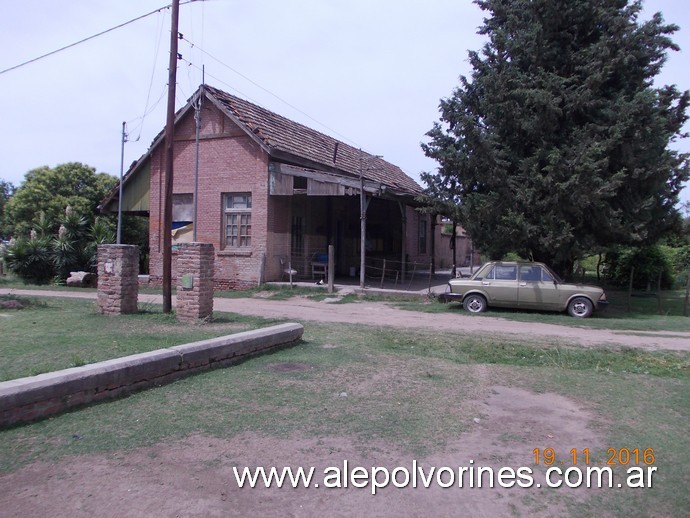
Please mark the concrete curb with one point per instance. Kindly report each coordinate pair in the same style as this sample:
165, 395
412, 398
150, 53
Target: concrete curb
37, 397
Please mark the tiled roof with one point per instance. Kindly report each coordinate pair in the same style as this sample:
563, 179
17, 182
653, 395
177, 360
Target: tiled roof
284, 136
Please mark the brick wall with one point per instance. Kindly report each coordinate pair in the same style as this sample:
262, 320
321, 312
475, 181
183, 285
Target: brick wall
118, 279
36, 397
229, 161
443, 252
195, 268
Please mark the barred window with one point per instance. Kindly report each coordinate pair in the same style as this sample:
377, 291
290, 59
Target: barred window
238, 220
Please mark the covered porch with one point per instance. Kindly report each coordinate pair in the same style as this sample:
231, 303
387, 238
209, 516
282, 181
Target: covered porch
322, 209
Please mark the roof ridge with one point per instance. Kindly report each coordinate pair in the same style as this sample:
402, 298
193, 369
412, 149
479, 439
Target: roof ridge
282, 134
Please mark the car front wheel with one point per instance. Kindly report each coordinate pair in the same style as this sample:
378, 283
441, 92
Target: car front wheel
474, 303
580, 307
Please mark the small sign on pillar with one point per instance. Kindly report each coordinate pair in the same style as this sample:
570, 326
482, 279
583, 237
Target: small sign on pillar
187, 281
195, 288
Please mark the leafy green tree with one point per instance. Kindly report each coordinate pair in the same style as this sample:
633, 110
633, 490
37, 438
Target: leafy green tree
559, 141
648, 266
50, 190
6, 192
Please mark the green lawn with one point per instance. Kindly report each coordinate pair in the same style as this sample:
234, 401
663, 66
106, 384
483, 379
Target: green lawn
52, 333
417, 384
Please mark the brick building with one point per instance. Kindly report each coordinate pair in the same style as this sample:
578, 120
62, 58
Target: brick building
272, 193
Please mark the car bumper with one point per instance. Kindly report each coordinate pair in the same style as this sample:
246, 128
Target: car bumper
450, 297
602, 304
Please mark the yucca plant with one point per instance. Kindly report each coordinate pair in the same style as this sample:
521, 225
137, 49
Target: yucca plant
74, 248
101, 232
31, 259
41, 257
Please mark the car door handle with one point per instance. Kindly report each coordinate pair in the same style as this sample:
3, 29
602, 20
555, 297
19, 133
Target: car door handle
486, 284
523, 284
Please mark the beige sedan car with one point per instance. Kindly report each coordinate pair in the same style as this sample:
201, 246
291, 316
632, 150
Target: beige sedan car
524, 285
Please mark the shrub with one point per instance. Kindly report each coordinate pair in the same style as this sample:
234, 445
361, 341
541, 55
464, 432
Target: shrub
31, 259
649, 262
42, 258
681, 264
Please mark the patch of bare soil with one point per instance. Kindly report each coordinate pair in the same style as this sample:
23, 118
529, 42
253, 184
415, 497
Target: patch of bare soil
194, 476
290, 367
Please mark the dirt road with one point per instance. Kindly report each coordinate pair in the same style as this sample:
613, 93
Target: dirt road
382, 314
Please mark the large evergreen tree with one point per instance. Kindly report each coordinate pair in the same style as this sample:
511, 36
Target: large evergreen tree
559, 140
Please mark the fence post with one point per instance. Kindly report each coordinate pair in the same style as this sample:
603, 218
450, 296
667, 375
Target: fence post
431, 269
630, 286
331, 268
658, 293
687, 295
414, 270
383, 274
262, 269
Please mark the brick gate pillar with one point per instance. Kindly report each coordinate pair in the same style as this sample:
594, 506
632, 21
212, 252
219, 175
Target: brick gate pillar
118, 279
195, 282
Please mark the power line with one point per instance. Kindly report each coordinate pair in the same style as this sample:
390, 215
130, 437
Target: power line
140, 127
262, 88
91, 37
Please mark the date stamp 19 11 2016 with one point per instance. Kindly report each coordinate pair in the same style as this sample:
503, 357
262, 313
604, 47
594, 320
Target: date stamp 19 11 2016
583, 456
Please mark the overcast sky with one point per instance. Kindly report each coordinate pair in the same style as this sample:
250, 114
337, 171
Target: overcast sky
368, 72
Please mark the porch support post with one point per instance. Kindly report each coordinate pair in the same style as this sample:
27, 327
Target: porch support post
363, 204
433, 243
403, 257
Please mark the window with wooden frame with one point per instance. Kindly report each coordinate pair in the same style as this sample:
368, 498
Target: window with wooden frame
422, 234
238, 220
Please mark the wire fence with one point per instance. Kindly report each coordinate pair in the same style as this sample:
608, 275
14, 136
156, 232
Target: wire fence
380, 272
391, 273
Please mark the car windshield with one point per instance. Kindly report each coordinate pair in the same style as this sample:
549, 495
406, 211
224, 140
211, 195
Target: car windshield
479, 274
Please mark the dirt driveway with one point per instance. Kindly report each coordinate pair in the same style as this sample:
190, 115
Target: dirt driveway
382, 314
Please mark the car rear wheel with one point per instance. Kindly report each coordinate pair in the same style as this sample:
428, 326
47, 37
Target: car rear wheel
474, 303
580, 307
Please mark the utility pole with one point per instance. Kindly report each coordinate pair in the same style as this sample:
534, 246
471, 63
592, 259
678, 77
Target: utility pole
122, 168
197, 120
169, 139
362, 224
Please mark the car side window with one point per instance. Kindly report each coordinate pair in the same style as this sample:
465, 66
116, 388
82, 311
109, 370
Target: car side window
505, 273
546, 276
530, 273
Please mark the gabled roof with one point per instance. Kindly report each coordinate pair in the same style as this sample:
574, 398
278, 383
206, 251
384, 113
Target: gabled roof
289, 141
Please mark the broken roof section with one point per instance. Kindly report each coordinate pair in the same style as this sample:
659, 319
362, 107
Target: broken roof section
288, 142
